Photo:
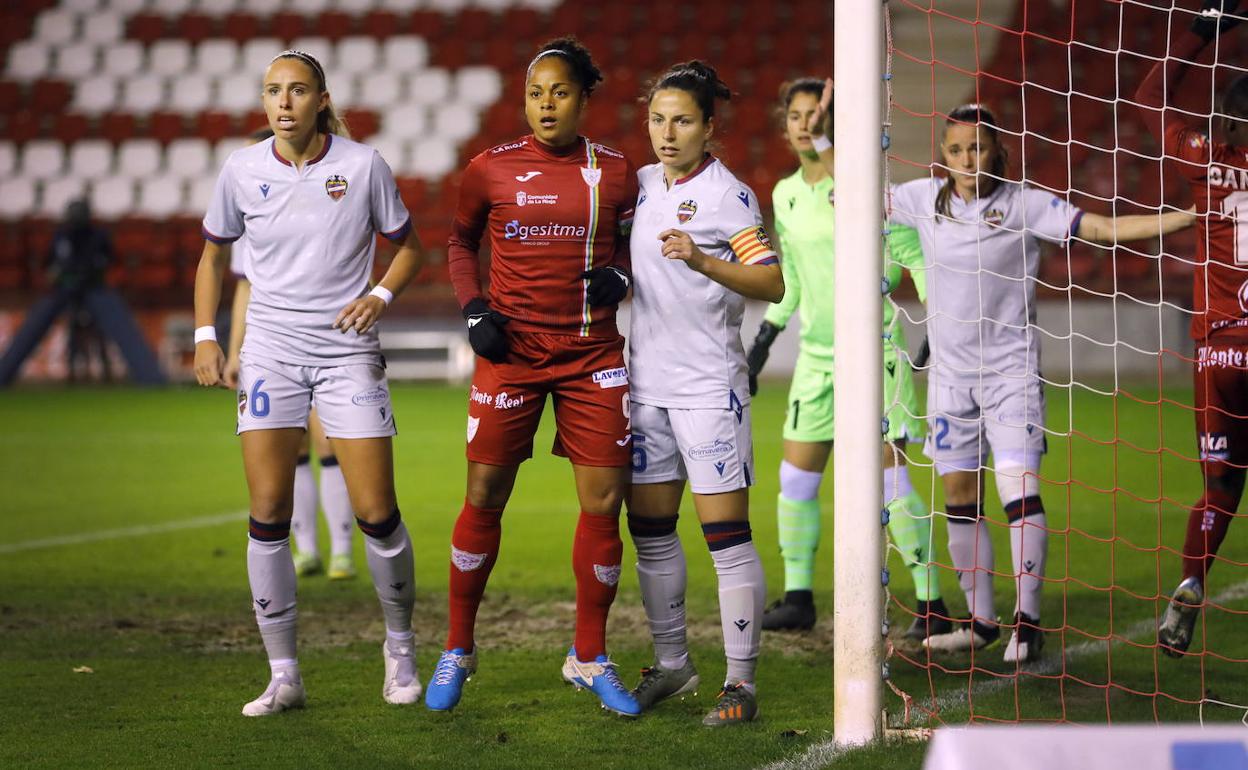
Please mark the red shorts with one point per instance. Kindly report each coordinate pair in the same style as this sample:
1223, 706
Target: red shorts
587, 378
1222, 401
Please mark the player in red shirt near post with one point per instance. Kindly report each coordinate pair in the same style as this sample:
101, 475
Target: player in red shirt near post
1218, 174
557, 209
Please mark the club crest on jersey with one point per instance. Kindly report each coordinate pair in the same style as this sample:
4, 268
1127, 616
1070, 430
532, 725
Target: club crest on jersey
1243, 296
761, 235
242, 401
994, 217
686, 210
592, 176
1197, 140
336, 186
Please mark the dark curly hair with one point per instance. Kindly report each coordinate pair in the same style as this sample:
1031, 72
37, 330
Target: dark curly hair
696, 78
579, 60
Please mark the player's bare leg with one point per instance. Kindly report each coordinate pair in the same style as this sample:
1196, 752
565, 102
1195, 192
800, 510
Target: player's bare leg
799, 520
368, 468
596, 554
662, 573
725, 521
269, 458
971, 551
474, 549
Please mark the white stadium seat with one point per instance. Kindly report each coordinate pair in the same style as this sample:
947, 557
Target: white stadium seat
357, 55
447, 6
239, 92
124, 59
356, 7
42, 159
138, 158
433, 158
19, 198
159, 197
220, 8
223, 150
394, 150
28, 60
56, 27
540, 5
406, 121
456, 121
95, 95
478, 86
493, 6
124, 7
258, 53
404, 53
8, 160
264, 7
380, 91
344, 92
143, 94
171, 7
112, 198
188, 158
191, 94
400, 6
216, 56
199, 195
90, 159
321, 48
103, 28
56, 195
81, 6
169, 57
429, 87
309, 7
75, 61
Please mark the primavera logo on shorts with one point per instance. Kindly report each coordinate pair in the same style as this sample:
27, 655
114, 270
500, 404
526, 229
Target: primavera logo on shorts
686, 210
371, 397
711, 450
336, 186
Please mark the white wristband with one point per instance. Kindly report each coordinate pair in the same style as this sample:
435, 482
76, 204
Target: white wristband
821, 142
382, 293
205, 334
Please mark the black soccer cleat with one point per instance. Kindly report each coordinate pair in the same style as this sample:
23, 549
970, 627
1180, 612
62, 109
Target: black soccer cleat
931, 618
792, 613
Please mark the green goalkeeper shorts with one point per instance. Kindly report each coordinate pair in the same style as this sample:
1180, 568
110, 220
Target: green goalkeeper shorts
810, 414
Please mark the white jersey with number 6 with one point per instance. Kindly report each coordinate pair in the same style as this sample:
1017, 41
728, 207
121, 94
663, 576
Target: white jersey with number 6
685, 347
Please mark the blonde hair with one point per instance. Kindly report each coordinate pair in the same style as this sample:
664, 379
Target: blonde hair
328, 121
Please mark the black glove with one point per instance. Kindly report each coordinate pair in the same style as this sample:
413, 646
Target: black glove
925, 352
760, 348
607, 286
485, 330
1215, 18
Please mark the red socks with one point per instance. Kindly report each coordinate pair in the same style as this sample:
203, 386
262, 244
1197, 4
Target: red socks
1206, 528
596, 555
474, 549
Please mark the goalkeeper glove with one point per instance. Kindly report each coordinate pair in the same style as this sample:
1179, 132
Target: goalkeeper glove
760, 348
1215, 18
485, 330
607, 285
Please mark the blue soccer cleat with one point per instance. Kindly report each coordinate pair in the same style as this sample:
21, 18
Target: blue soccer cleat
599, 677
447, 684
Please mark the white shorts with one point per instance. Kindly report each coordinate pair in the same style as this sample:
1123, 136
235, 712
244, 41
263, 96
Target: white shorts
965, 422
353, 401
712, 448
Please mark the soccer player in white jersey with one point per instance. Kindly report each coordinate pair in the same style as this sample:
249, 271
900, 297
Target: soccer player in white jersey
699, 248
339, 517
980, 235
310, 203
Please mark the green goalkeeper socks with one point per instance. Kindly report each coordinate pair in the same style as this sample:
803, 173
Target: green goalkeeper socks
799, 538
910, 526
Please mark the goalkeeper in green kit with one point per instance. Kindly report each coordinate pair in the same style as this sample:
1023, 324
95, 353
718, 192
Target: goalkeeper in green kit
804, 223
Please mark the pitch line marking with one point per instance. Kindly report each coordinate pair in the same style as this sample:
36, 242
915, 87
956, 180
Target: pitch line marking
198, 522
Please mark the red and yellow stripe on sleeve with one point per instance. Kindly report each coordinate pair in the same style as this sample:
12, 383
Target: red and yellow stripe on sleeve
753, 247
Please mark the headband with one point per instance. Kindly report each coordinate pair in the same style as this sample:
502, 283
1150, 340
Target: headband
307, 57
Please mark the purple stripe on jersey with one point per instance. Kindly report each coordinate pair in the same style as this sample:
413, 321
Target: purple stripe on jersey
767, 261
708, 160
1074, 224
329, 138
217, 238
400, 235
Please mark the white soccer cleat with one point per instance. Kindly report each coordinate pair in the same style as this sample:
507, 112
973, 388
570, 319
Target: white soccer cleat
971, 636
285, 691
1026, 641
402, 685
1175, 632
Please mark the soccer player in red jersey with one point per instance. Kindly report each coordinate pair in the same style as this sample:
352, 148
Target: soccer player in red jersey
1218, 174
556, 209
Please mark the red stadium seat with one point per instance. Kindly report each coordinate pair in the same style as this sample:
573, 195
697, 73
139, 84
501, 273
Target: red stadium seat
252, 121
117, 127
10, 96
241, 26
215, 126
333, 25
287, 25
23, 126
430, 25
362, 123
521, 24
164, 127
14, 261
474, 24
380, 24
414, 193
146, 27
49, 97
194, 27
69, 128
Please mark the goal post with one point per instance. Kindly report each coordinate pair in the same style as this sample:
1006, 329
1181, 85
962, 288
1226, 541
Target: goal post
858, 597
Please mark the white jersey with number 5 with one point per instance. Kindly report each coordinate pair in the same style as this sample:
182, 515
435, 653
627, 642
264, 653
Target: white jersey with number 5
684, 344
981, 264
310, 238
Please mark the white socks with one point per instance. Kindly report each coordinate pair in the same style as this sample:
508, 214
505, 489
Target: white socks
271, 573
303, 515
663, 576
742, 592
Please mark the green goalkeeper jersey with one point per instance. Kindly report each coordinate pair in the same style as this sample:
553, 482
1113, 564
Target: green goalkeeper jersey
805, 227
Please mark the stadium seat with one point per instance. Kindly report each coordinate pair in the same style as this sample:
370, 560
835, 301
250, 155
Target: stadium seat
321, 48
188, 158
70, 127
223, 149
91, 159
456, 121
395, 151
407, 121
28, 60
478, 86
213, 126
8, 160
355, 7
343, 91
287, 25
143, 94
429, 87
195, 27
404, 53
380, 24
239, 92
192, 93
103, 28
159, 197
199, 194
74, 61
381, 90
113, 197
123, 59
56, 195
146, 28
334, 25
170, 8
10, 96
164, 126
216, 56
362, 123
42, 159
169, 58
138, 158
19, 198
240, 26
56, 27
356, 55
433, 158
49, 97
258, 53
117, 127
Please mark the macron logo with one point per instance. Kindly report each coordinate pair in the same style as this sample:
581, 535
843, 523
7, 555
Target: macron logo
476, 319
528, 176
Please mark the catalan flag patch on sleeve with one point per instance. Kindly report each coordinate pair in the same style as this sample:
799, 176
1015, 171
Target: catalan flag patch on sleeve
753, 247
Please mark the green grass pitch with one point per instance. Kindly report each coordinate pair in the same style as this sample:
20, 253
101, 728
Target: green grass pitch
161, 614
